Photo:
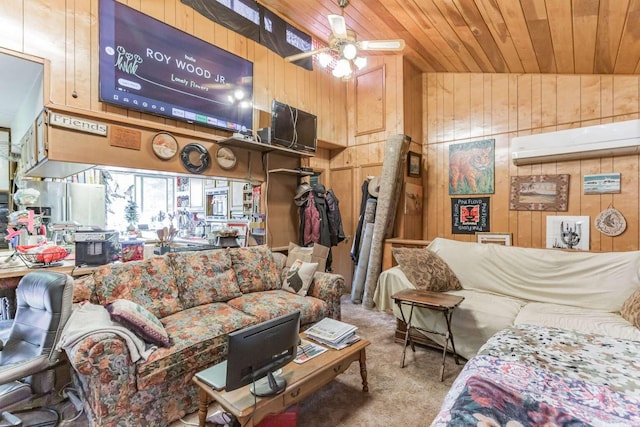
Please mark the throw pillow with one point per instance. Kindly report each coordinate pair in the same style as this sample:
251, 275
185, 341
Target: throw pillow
83, 288
316, 253
204, 277
139, 320
299, 277
426, 270
255, 269
630, 310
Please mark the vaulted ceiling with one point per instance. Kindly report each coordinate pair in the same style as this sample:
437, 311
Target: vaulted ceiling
491, 36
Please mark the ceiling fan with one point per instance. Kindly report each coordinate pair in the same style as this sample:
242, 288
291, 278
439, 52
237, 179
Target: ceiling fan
344, 42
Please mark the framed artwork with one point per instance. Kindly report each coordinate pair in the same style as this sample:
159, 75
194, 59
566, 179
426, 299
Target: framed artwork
539, 193
602, 183
412, 199
472, 167
568, 232
469, 215
414, 164
503, 239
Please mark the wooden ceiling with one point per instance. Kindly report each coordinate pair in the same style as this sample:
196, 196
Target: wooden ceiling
490, 36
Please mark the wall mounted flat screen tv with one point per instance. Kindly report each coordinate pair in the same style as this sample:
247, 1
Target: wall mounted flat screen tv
149, 66
293, 128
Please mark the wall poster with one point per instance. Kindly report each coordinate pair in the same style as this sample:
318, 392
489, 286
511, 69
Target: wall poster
470, 215
472, 167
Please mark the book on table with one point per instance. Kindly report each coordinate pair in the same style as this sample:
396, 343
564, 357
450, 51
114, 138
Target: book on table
332, 332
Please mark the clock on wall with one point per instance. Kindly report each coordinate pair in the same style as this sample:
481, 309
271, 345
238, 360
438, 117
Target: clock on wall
226, 158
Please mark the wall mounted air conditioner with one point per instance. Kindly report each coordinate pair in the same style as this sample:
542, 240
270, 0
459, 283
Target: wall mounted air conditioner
612, 139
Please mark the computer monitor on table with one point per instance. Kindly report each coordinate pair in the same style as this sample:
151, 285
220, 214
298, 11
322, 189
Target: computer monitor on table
259, 350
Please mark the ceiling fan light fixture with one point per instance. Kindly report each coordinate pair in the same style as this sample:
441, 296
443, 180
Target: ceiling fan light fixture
324, 59
360, 62
342, 69
349, 51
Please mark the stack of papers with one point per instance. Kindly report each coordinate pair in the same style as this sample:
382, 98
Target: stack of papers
333, 333
307, 351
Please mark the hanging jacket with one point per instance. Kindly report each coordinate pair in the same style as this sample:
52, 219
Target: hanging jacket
336, 231
312, 222
319, 194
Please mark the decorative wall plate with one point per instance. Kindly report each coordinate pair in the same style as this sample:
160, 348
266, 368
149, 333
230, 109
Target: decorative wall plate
164, 145
195, 158
610, 222
226, 158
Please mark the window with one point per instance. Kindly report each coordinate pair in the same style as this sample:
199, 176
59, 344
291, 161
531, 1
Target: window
152, 194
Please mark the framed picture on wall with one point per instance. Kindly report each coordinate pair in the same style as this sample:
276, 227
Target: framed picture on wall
602, 183
539, 193
496, 238
472, 167
414, 164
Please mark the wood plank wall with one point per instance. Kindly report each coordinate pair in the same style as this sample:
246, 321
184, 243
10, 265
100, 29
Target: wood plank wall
65, 32
467, 107
385, 99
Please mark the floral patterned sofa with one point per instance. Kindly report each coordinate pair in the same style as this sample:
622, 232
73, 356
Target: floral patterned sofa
199, 297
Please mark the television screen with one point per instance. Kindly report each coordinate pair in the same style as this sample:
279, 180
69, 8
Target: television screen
149, 66
293, 128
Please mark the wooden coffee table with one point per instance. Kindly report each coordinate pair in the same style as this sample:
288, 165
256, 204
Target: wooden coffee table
302, 380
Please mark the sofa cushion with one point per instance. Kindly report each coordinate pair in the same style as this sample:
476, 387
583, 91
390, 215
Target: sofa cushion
255, 269
600, 281
299, 277
199, 340
425, 269
577, 319
139, 320
204, 277
270, 304
150, 283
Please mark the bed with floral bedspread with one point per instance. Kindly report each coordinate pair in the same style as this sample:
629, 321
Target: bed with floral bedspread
531, 376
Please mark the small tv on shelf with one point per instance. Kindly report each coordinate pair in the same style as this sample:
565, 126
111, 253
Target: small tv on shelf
257, 352
149, 66
293, 128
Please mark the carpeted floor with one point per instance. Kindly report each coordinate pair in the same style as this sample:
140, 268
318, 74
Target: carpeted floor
409, 396
405, 397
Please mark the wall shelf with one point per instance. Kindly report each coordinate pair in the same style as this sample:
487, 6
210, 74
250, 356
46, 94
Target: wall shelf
263, 148
292, 172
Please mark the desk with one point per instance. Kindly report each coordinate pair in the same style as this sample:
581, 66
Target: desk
302, 380
436, 301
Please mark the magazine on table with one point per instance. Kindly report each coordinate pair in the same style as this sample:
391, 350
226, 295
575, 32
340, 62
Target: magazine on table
345, 342
330, 330
307, 351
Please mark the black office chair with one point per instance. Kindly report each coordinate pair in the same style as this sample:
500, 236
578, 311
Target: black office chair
27, 358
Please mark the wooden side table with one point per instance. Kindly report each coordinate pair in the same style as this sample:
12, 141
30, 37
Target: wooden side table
436, 301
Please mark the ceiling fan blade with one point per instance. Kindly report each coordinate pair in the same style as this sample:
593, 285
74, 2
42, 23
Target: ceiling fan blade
338, 26
397, 44
302, 55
